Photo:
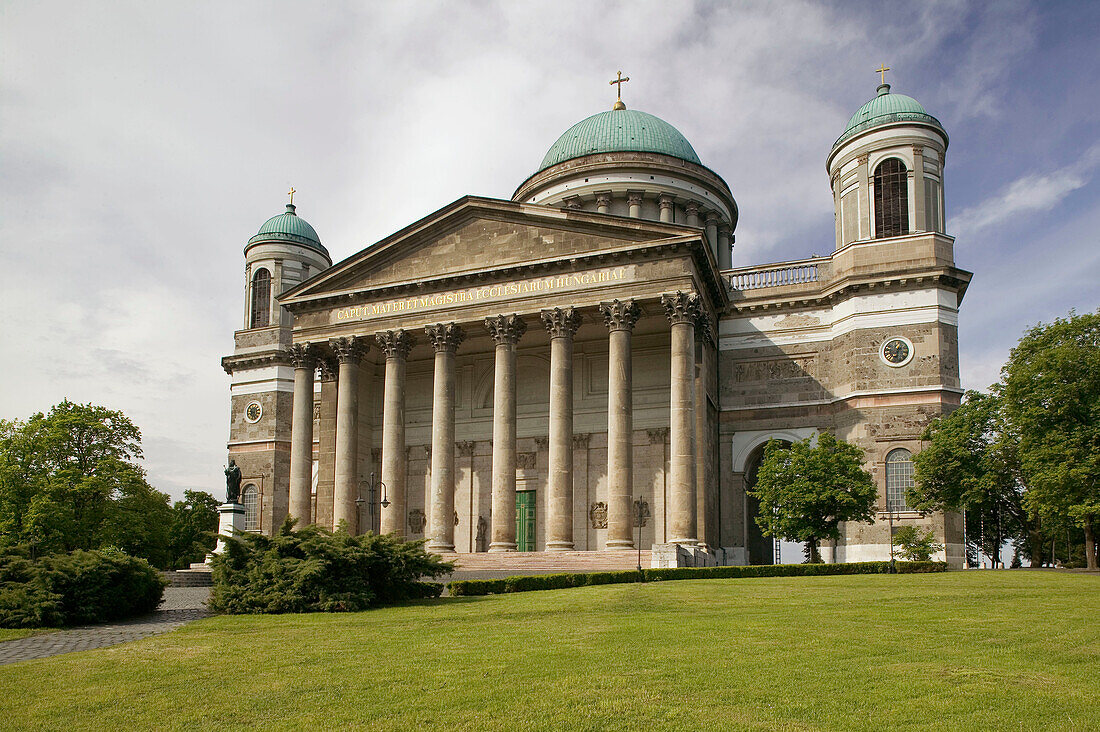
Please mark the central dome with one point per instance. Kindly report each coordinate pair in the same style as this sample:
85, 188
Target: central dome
620, 130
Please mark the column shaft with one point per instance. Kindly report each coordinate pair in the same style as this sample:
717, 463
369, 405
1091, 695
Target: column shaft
349, 351
620, 318
396, 345
441, 528
561, 324
506, 331
682, 310
301, 436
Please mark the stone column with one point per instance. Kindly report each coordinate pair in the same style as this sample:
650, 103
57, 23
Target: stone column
620, 318
725, 247
328, 369
349, 351
603, 202
301, 434
396, 344
666, 203
445, 338
682, 310
704, 444
506, 331
692, 209
634, 199
920, 203
712, 234
866, 220
561, 324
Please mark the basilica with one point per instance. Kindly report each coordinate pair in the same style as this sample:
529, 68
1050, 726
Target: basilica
583, 368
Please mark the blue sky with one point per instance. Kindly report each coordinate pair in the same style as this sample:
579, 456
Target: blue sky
141, 145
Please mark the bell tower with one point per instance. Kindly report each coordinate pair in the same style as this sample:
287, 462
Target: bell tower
886, 170
284, 252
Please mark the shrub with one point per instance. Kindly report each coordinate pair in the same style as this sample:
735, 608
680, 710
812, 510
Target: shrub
559, 581
317, 570
76, 588
916, 546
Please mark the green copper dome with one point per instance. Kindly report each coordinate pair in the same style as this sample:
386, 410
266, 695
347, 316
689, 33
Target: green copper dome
884, 109
289, 227
620, 130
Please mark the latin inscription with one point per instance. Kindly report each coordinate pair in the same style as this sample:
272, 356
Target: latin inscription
482, 294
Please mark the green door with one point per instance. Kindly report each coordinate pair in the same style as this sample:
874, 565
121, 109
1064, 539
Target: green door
525, 521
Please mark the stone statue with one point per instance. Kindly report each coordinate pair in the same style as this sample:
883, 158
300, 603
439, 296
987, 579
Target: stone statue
232, 483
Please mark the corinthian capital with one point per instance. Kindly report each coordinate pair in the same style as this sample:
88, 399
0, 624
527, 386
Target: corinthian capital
561, 322
302, 356
350, 349
505, 329
395, 343
683, 307
328, 369
445, 336
618, 315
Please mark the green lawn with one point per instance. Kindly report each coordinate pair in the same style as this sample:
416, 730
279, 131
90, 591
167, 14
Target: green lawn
7, 634
962, 650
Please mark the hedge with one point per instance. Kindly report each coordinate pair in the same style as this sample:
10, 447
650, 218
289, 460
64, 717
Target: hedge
76, 588
560, 581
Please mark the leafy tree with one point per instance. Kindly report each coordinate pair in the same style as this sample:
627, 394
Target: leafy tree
806, 490
193, 531
916, 546
1051, 388
969, 463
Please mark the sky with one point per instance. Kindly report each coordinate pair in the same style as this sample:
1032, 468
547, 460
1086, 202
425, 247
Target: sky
142, 144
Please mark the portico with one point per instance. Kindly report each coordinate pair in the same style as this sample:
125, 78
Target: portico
618, 302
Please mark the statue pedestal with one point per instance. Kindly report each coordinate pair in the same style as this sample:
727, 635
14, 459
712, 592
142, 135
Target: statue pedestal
230, 522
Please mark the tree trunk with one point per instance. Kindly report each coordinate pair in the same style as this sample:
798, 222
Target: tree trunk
1035, 539
815, 555
1090, 544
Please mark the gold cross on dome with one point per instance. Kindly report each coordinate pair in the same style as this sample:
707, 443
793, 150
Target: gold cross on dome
291, 193
882, 70
619, 81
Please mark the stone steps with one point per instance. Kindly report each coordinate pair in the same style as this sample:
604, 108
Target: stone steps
189, 578
519, 562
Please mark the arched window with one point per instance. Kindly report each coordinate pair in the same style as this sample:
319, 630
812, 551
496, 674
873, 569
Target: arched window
899, 478
251, 500
891, 199
261, 299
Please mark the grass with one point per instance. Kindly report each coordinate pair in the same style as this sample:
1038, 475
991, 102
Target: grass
7, 634
963, 650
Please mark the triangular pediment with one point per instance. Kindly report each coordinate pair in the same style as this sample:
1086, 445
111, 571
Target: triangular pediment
480, 237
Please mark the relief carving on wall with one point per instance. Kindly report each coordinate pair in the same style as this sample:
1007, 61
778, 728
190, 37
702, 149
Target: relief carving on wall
597, 515
480, 543
526, 460
641, 513
417, 521
787, 368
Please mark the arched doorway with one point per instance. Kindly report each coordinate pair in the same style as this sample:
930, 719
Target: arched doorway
760, 548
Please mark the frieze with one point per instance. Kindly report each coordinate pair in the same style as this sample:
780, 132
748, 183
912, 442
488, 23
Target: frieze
597, 515
484, 293
526, 460
787, 368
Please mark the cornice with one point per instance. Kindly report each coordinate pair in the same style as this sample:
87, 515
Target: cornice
247, 361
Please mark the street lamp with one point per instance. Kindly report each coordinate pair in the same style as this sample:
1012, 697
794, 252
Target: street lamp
638, 520
372, 486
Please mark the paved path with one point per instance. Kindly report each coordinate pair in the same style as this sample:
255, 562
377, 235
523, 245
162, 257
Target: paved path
181, 605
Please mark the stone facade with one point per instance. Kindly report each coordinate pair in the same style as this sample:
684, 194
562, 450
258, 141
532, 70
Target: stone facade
589, 350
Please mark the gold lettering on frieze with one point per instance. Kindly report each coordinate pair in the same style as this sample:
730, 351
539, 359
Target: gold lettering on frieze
481, 294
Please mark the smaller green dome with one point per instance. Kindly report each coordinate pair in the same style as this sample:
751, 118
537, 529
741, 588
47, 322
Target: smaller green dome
884, 109
288, 227
619, 130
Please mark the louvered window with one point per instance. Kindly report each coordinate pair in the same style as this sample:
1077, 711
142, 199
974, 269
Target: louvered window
261, 299
891, 199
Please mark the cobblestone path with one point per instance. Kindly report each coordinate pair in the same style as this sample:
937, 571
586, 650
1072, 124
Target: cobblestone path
181, 605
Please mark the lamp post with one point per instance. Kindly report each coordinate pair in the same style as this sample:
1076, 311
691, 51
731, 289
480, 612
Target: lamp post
890, 519
638, 521
372, 487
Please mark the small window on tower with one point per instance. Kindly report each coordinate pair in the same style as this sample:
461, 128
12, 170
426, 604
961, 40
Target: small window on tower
891, 199
261, 299
250, 499
899, 479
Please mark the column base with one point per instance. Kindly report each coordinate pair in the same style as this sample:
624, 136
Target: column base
502, 546
619, 545
559, 546
441, 548
686, 542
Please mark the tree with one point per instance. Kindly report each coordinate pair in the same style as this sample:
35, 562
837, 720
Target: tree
194, 526
915, 545
969, 463
806, 490
1051, 388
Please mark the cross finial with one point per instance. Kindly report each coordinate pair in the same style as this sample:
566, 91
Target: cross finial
291, 193
882, 70
620, 80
